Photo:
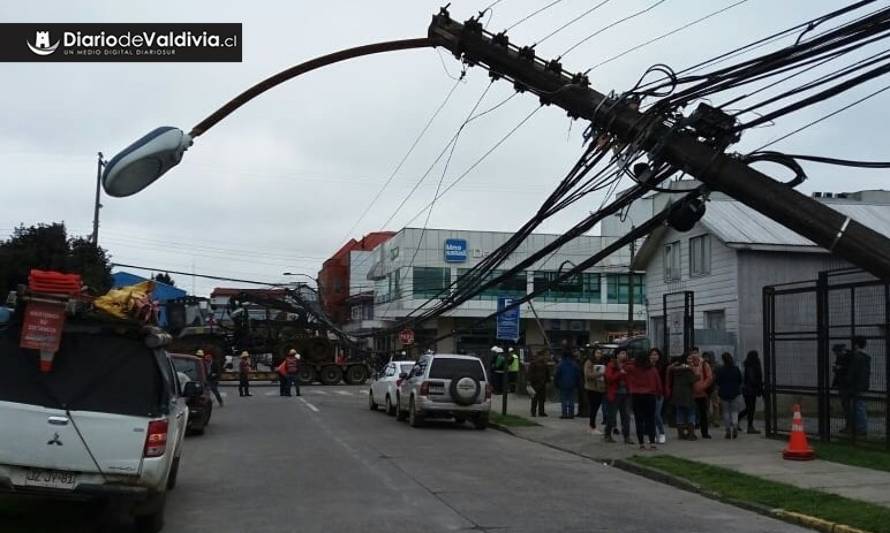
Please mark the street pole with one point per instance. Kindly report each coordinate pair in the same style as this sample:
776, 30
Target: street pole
94, 238
506, 389
630, 285
837, 233
540, 326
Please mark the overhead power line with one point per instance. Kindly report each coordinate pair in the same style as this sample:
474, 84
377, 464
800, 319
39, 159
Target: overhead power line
612, 25
532, 14
404, 158
665, 35
569, 23
823, 118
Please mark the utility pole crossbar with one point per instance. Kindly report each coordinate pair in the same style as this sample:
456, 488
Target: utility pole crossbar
834, 231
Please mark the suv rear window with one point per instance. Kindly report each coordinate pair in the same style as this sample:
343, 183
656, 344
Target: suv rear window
445, 368
189, 367
92, 371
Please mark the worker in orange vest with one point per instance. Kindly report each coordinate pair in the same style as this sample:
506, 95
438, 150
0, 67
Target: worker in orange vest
292, 369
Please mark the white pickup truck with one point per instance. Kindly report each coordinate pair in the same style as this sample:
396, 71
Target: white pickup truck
107, 421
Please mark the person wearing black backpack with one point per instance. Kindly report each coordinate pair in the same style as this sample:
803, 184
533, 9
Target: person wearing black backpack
729, 389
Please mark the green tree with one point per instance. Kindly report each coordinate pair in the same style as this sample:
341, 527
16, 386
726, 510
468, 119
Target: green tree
48, 247
165, 278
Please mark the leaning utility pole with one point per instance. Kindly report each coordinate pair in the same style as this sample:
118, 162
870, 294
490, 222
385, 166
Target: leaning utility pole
837, 233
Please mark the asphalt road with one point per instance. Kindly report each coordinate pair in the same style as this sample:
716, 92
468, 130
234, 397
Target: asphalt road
325, 463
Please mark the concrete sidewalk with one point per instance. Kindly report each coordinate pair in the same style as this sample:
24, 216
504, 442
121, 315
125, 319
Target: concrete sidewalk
749, 454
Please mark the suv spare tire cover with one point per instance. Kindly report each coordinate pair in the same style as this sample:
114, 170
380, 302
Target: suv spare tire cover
464, 390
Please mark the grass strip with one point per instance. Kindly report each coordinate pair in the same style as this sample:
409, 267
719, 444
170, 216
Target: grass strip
733, 485
510, 420
866, 456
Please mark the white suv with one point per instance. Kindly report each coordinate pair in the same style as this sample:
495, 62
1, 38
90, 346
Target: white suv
445, 386
383, 388
106, 421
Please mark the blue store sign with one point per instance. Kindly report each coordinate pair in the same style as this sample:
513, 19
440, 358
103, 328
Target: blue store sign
455, 250
508, 321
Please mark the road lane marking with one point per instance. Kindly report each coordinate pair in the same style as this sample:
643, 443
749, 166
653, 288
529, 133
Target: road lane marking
224, 394
271, 393
309, 405
363, 391
343, 392
316, 391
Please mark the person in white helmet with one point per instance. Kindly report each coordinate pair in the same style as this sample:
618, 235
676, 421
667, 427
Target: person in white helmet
292, 369
499, 368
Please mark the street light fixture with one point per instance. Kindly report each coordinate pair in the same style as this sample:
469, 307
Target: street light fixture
143, 162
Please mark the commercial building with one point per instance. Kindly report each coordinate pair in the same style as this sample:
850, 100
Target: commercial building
343, 281
724, 262
416, 265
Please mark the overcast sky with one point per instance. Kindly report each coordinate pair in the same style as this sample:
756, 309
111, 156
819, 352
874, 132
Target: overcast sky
277, 186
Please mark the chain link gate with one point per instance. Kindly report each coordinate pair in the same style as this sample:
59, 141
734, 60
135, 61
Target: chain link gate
806, 326
679, 327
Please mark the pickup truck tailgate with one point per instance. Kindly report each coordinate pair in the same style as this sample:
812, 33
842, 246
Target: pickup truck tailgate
40, 437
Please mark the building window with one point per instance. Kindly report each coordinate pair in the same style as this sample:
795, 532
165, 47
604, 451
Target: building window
715, 320
513, 286
430, 282
700, 255
579, 288
672, 261
618, 287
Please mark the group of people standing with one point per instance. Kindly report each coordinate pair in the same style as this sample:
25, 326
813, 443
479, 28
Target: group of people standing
648, 387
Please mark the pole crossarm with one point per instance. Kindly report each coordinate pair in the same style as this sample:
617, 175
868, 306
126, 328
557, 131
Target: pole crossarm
826, 227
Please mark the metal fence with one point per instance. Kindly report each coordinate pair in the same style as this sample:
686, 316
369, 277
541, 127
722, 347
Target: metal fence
807, 325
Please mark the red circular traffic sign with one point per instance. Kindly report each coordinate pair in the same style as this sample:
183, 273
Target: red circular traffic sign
407, 336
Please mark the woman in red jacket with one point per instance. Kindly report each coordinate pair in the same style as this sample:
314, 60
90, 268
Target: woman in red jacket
705, 377
618, 396
645, 386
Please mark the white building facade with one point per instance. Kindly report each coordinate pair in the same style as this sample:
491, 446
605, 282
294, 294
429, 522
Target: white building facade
726, 260
417, 265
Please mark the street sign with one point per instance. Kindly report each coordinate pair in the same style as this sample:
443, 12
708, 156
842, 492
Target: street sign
406, 336
508, 321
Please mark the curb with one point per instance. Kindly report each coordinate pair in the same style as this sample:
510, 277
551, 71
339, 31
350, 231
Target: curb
505, 429
815, 523
661, 476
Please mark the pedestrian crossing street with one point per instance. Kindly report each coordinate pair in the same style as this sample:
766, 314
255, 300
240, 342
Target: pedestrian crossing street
308, 391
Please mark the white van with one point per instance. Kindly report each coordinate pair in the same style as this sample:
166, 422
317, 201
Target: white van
107, 421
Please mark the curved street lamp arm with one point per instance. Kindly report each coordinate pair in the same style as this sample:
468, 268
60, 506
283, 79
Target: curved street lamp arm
302, 68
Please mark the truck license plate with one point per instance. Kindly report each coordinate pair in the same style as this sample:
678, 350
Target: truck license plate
52, 479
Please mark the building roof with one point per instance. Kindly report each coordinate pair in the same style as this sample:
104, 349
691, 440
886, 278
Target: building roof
367, 243
739, 226
161, 292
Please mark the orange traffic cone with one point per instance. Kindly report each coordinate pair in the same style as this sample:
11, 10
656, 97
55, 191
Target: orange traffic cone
798, 449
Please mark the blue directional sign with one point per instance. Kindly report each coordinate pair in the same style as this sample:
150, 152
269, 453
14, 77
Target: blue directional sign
508, 321
455, 250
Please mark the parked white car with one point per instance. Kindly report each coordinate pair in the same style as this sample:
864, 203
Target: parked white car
383, 388
107, 421
445, 386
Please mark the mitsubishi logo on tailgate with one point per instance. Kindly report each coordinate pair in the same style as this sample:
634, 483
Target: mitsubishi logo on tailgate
55, 440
